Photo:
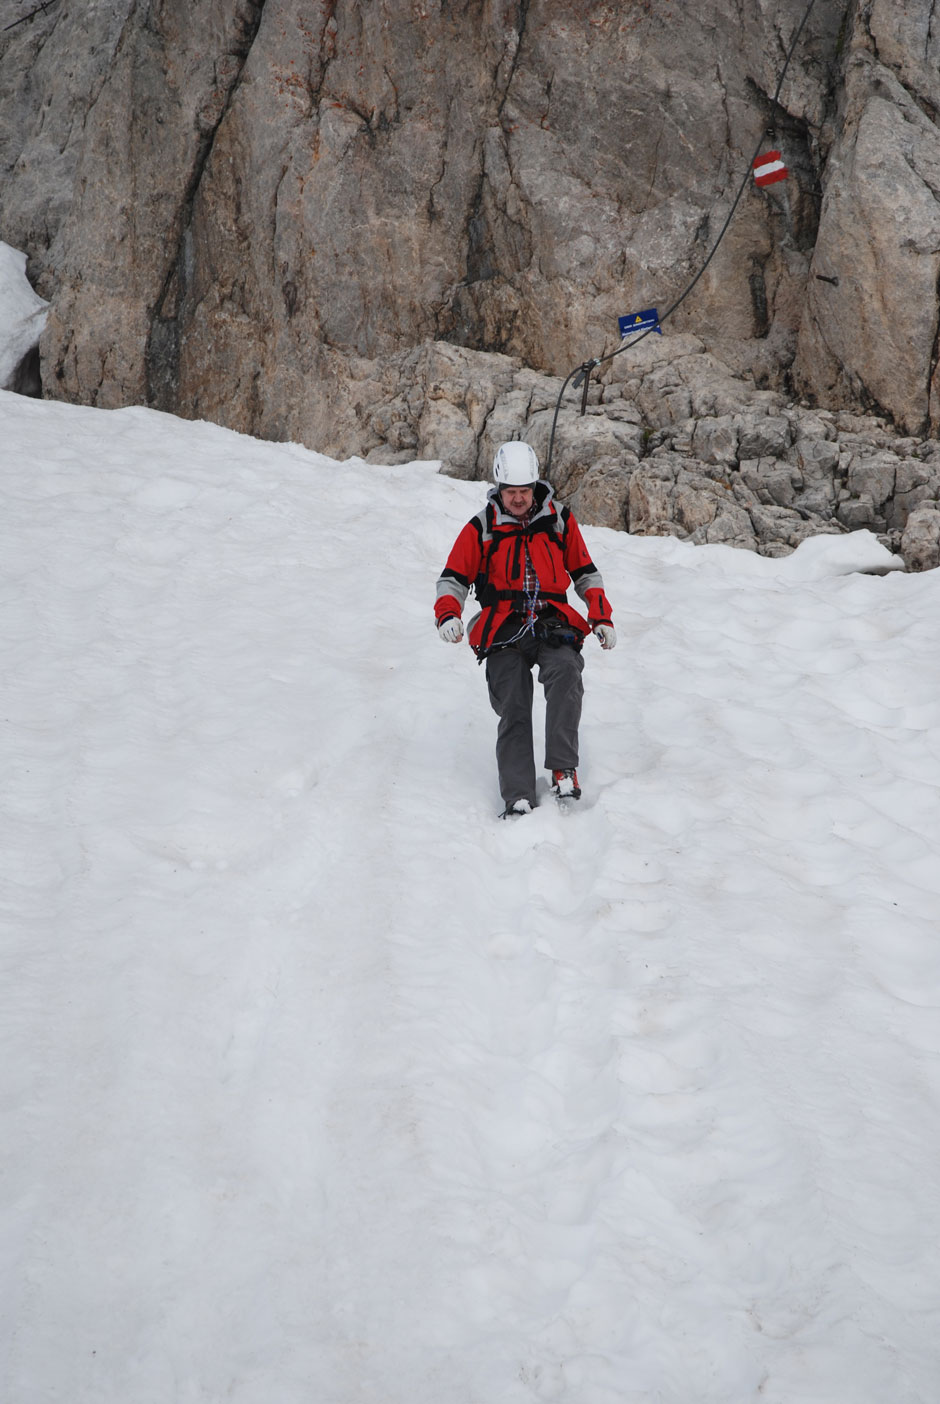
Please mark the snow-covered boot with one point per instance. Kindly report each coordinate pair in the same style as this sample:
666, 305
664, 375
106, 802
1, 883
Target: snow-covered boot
519, 806
565, 784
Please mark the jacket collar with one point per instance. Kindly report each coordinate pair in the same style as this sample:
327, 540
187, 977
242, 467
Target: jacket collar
543, 500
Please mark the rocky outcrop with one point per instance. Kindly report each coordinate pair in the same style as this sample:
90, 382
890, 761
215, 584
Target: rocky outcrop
250, 197
920, 543
672, 443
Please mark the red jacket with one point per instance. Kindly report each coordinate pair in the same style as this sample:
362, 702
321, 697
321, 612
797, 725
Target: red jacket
490, 554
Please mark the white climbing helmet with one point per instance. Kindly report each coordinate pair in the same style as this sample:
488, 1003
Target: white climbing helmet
515, 465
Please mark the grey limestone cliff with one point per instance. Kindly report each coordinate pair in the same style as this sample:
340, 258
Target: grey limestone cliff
389, 229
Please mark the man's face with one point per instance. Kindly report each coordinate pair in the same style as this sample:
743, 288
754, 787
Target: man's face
517, 500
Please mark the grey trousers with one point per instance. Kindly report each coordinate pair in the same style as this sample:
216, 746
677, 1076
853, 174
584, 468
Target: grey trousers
509, 679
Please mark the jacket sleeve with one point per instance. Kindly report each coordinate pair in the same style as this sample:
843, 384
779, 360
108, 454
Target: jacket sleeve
585, 576
462, 568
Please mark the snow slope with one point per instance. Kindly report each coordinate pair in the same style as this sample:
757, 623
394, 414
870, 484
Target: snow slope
320, 1085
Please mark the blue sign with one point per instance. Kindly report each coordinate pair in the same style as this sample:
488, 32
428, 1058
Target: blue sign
639, 322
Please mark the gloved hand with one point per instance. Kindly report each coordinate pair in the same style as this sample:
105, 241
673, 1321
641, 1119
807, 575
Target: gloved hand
607, 635
451, 631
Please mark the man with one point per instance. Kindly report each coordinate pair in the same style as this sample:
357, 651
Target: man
521, 553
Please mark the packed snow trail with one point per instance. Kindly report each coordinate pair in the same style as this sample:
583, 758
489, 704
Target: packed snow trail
319, 1082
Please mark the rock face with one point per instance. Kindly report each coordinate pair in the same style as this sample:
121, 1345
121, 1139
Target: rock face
868, 335
152, 84
389, 229
257, 199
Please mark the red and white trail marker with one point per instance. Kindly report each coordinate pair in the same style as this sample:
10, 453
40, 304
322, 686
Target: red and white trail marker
769, 168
